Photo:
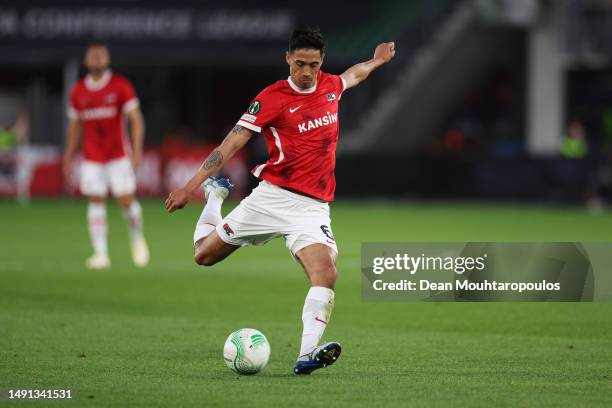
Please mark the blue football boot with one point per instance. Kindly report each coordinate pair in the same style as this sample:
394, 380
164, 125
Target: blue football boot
321, 357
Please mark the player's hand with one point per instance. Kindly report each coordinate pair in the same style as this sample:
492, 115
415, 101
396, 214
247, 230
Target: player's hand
177, 200
385, 52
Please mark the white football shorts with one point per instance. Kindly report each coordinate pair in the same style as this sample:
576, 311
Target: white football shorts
270, 212
97, 178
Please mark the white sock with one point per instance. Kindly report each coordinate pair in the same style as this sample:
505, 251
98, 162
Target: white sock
209, 219
96, 219
315, 316
133, 217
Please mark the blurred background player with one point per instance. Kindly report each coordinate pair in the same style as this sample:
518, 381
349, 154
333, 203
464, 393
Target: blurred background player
298, 118
97, 107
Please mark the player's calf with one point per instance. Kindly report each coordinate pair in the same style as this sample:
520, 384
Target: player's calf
132, 213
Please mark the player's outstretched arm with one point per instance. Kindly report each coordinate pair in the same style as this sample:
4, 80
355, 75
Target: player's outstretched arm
233, 142
382, 54
72, 143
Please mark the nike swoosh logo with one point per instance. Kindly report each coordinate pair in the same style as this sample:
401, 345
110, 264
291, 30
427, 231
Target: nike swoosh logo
294, 109
319, 320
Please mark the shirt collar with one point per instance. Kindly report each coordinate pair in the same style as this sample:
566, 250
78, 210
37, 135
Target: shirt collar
93, 85
299, 90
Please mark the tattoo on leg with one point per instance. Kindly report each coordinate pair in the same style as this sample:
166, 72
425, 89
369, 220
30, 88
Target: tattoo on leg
213, 160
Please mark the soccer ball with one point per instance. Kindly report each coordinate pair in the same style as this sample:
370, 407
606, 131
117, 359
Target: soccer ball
246, 351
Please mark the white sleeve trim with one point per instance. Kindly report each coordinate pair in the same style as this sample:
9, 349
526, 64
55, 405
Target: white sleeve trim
72, 113
343, 87
250, 126
258, 170
247, 117
131, 105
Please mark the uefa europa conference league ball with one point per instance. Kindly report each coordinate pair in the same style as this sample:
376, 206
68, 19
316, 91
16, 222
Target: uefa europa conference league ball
246, 351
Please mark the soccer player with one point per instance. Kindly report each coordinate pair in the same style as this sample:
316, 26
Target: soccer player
97, 109
298, 118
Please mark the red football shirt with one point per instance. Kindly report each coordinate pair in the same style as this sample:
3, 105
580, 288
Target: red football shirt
300, 127
100, 105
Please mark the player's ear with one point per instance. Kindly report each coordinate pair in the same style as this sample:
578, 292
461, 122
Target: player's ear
322, 59
288, 57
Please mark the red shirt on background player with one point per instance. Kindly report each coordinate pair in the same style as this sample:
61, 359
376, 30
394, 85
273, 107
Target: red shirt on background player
97, 108
101, 107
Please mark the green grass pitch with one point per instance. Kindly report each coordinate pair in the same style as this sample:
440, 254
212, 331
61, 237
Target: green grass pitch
154, 337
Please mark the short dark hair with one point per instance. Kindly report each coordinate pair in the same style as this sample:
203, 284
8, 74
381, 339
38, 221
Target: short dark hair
305, 36
97, 43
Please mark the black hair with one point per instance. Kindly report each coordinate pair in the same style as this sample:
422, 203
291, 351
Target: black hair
306, 36
97, 43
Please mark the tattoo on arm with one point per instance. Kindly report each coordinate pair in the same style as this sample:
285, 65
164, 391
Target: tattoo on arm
237, 129
213, 160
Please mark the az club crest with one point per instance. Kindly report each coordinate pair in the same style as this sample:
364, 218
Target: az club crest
110, 98
227, 229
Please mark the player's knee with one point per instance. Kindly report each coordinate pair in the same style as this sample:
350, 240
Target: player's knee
125, 201
204, 259
203, 254
325, 274
201, 259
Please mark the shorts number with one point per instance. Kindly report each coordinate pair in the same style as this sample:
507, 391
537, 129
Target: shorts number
327, 232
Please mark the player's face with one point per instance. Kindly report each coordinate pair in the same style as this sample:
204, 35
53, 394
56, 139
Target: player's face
97, 59
304, 65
